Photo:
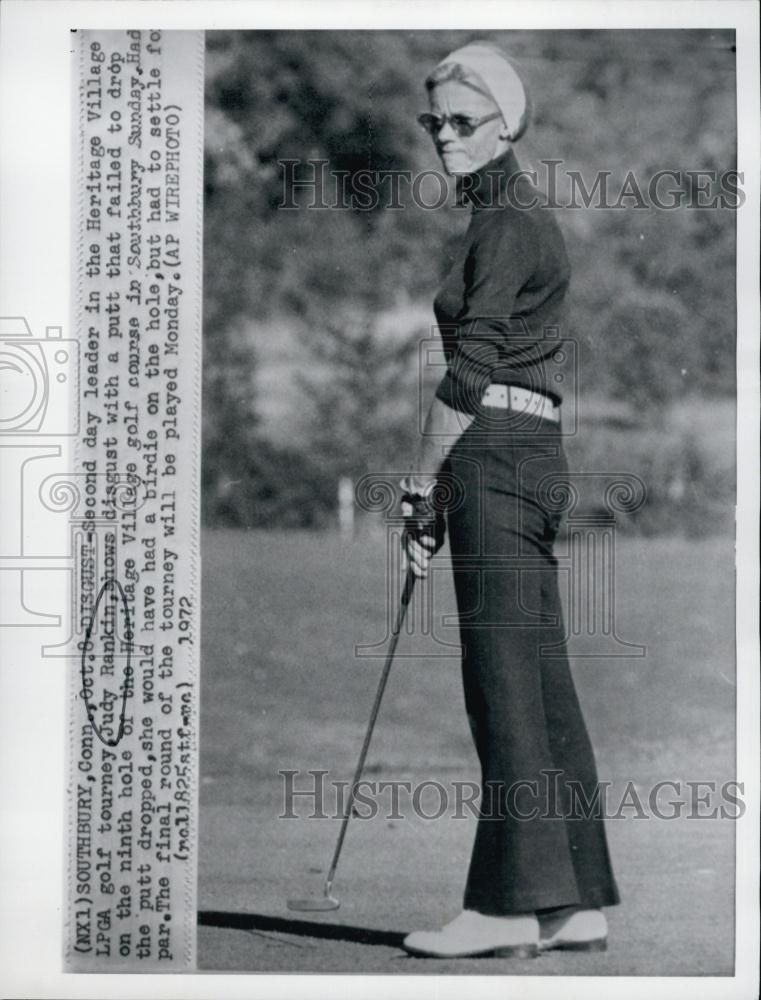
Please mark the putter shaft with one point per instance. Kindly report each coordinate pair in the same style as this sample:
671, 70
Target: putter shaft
409, 585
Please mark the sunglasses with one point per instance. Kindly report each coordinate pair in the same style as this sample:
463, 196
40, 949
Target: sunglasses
462, 125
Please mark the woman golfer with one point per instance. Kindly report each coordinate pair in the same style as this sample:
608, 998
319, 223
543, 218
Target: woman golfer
540, 870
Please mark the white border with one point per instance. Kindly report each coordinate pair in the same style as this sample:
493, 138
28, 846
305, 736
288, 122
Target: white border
35, 195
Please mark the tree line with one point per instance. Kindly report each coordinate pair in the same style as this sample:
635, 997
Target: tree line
652, 293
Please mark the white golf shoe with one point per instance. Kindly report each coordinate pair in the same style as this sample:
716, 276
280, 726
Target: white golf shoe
584, 930
473, 934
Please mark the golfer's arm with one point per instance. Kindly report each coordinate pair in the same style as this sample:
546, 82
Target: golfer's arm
442, 429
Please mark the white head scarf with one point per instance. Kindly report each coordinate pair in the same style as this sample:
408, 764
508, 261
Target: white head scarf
499, 76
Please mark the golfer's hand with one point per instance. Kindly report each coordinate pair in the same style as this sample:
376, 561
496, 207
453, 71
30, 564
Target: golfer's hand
424, 530
417, 553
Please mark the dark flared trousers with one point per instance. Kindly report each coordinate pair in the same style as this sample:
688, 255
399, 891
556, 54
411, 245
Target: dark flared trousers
540, 841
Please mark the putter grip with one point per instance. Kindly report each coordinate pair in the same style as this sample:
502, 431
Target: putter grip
409, 586
426, 517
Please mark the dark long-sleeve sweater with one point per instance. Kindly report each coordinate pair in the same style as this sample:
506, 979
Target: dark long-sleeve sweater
501, 310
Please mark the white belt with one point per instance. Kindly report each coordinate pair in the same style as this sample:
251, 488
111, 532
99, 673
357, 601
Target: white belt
511, 397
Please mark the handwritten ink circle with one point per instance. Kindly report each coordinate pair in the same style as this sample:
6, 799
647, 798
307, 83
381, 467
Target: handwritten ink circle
108, 584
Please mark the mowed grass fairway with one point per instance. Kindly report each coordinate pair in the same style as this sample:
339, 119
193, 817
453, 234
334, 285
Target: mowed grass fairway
282, 688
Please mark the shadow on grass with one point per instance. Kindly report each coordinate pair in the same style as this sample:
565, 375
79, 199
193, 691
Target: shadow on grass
302, 928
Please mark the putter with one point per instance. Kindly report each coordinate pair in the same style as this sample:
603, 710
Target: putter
328, 901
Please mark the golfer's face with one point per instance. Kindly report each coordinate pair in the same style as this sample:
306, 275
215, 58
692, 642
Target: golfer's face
464, 154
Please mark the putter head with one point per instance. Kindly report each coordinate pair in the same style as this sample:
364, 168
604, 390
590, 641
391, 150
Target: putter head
315, 905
